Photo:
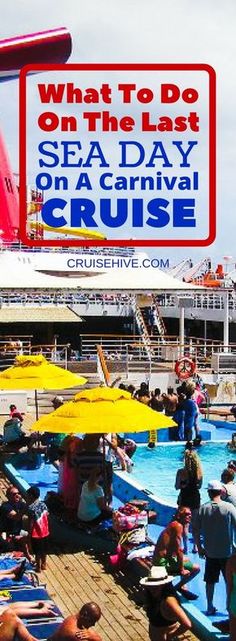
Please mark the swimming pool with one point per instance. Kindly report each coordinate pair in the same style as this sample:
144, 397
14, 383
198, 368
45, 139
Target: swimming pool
156, 469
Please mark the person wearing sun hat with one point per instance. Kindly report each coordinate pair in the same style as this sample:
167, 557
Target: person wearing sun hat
216, 524
164, 612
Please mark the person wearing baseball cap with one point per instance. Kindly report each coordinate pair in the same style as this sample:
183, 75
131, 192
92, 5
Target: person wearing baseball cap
216, 523
232, 465
164, 612
214, 486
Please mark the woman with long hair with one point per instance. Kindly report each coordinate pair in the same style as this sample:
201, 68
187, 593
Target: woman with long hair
189, 481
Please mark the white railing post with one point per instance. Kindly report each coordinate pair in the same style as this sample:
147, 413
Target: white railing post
181, 330
127, 360
226, 322
66, 357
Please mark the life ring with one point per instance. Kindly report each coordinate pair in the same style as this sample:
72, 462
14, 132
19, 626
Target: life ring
184, 368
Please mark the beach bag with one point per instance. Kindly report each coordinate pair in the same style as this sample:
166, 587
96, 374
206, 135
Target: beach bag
133, 537
129, 517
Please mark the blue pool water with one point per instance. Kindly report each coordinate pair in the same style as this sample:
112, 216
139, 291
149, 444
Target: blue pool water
156, 469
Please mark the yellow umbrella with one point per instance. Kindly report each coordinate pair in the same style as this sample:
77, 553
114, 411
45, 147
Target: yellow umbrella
102, 409
35, 372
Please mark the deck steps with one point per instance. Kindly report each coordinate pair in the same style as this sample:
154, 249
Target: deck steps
45, 398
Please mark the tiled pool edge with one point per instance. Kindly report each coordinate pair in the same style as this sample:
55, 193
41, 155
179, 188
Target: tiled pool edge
15, 477
202, 625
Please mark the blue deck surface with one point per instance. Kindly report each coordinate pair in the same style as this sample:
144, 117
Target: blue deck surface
32, 468
42, 630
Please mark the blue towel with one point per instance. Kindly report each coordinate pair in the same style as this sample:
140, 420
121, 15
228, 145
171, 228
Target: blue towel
42, 630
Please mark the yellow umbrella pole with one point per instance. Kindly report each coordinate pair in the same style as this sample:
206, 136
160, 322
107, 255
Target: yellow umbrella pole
36, 412
36, 404
104, 469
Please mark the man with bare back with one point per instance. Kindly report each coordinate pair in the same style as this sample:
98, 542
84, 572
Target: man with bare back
75, 627
169, 553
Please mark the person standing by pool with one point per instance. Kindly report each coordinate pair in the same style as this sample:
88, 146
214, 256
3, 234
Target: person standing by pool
166, 617
70, 447
190, 412
216, 522
39, 526
170, 401
143, 390
87, 459
142, 394
156, 402
168, 552
178, 417
188, 481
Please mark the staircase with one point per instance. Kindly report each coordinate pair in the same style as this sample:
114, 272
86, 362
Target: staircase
45, 398
142, 329
156, 327
160, 325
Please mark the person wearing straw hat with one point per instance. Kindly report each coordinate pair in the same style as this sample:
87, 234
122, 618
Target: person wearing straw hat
166, 617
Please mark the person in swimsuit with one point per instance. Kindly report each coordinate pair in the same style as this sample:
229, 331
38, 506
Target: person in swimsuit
231, 594
188, 481
15, 573
27, 610
77, 626
168, 552
166, 617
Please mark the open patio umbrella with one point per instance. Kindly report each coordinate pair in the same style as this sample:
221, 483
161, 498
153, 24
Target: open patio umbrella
102, 409
35, 372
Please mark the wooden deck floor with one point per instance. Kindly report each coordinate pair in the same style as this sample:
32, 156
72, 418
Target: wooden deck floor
74, 578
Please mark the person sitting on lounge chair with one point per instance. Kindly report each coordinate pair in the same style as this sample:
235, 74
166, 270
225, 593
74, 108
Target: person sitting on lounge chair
77, 626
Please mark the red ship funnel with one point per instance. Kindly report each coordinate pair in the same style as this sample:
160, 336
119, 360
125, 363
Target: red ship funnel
9, 201
53, 46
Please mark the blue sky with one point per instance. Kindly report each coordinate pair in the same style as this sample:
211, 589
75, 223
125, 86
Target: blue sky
134, 31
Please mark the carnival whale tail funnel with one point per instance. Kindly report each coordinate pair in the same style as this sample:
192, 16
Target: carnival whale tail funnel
45, 47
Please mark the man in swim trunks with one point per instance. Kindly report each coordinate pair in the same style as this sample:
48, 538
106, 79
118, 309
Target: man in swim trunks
75, 627
169, 553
